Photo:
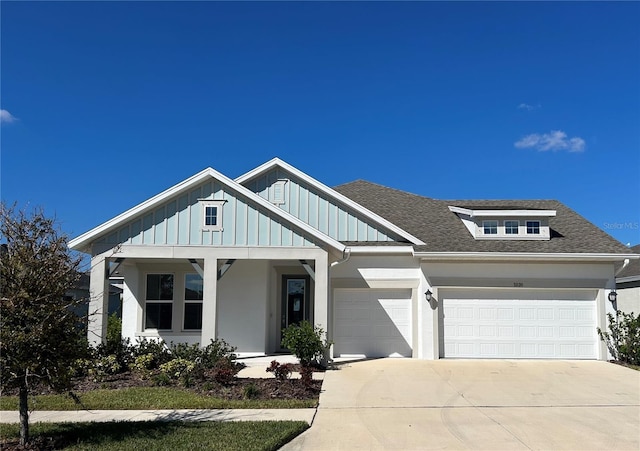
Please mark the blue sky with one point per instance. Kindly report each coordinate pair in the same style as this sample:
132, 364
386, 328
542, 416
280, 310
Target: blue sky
106, 104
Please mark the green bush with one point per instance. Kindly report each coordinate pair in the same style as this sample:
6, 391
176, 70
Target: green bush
251, 391
178, 369
305, 342
623, 337
157, 348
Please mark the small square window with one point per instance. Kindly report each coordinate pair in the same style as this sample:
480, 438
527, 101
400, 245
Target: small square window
511, 227
159, 287
533, 227
490, 227
212, 215
193, 290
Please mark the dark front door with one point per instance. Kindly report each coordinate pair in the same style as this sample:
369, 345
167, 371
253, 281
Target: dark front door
295, 300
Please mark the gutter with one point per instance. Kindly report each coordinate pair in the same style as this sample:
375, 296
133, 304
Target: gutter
346, 254
519, 256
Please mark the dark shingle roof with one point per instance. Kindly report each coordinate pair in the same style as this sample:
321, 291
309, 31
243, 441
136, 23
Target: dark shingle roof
442, 230
634, 266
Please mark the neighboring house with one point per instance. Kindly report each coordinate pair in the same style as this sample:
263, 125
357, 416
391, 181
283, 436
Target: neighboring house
384, 272
628, 285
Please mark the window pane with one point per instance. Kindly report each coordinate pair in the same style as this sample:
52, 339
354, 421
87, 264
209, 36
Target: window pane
490, 227
158, 315
160, 287
211, 215
533, 227
193, 315
511, 227
193, 287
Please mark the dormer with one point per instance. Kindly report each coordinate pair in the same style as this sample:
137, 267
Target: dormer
505, 223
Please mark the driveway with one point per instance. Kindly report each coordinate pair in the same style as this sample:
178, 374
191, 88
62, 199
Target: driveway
412, 404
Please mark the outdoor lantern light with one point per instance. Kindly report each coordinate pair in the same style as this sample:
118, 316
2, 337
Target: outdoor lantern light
427, 295
613, 296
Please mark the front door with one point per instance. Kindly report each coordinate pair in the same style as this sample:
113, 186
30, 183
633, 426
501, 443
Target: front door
295, 300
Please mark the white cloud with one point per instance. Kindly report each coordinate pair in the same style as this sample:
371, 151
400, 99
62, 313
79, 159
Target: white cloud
526, 106
555, 140
6, 117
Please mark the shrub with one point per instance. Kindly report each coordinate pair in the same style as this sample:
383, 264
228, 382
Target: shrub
305, 342
178, 369
623, 337
215, 352
251, 391
157, 348
104, 366
306, 375
282, 371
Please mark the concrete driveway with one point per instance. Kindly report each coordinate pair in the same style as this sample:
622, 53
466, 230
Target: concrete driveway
476, 404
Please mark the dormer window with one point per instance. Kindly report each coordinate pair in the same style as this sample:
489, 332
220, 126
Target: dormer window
511, 227
533, 227
490, 227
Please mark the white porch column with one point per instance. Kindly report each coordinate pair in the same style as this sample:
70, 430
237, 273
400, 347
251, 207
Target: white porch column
98, 300
209, 303
321, 294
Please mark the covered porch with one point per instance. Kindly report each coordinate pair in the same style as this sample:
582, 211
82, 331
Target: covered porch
193, 294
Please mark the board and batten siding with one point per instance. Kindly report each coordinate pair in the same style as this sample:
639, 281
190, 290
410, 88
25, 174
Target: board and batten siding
318, 210
179, 222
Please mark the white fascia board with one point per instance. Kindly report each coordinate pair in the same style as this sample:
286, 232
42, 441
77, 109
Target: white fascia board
503, 213
377, 250
628, 279
520, 256
329, 192
83, 240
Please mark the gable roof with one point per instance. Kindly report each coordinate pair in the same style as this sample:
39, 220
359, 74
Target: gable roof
632, 271
443, 232
83, 242
345, 200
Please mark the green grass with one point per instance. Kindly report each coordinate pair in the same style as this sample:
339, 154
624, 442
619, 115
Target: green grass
149, 398
224, 436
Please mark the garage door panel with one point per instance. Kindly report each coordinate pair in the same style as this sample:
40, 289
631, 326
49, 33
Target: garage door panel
372, 322
542, 325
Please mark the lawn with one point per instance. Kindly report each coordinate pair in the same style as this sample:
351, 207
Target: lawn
260, 435
150, 398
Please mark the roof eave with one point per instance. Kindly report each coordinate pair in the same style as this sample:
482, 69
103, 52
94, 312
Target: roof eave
519, 256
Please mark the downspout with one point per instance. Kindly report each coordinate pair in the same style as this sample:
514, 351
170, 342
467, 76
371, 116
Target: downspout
346, 254
624, 265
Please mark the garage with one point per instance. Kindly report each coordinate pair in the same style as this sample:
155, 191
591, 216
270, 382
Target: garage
372, 323
533, 324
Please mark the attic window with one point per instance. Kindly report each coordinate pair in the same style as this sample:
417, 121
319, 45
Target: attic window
277, 192
533, 227
490, 227
212, 215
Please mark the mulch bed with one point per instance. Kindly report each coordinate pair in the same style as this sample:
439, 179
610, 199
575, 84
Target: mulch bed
236, 389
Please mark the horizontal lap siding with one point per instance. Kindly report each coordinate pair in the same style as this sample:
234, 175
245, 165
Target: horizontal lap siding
318, 210
179, 221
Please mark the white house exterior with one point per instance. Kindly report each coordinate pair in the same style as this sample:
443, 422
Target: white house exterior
384, 272
628, 285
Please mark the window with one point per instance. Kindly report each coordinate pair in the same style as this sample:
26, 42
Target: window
193, 295
159, 301
511, 227
212, 215
533, 227
490, 227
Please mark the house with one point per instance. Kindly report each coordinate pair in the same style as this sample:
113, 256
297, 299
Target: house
628, 285
384, 272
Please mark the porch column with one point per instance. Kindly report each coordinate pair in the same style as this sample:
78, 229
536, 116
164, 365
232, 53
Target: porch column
209, 303
321, 294
98, 300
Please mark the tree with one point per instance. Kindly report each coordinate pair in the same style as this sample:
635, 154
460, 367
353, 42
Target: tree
40, 333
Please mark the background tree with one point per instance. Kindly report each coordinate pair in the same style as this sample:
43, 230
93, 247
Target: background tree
40, 333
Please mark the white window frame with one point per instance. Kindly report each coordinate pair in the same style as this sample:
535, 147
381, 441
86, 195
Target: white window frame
218, 204
158, 301
189, 301
485, 225
538, 227
506, 226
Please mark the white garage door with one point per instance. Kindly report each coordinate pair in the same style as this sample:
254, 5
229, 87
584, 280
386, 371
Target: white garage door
372, 323
508, 324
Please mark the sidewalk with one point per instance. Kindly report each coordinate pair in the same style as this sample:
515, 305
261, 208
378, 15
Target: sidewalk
163, 415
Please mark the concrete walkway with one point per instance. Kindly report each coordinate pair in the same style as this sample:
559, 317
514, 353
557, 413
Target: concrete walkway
407, 404
163, 415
